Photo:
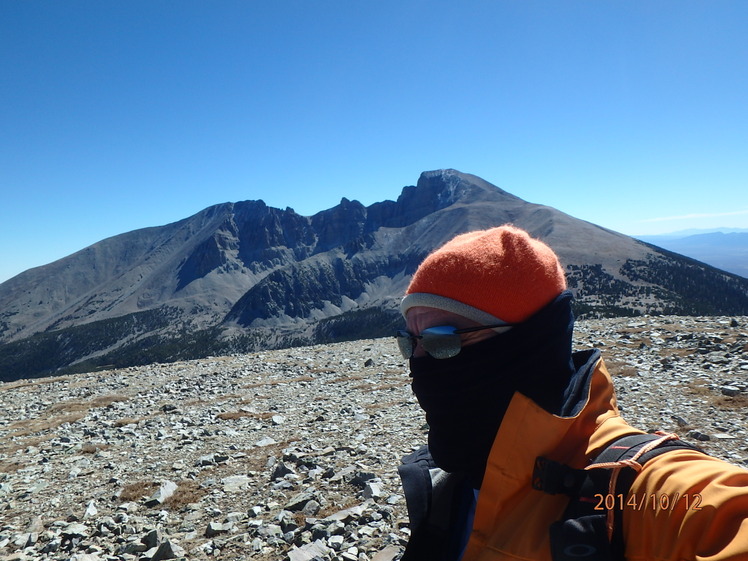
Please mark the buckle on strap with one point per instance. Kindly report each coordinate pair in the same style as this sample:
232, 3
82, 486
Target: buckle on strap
553, 477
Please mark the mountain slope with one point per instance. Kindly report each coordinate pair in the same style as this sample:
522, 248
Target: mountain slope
241, 276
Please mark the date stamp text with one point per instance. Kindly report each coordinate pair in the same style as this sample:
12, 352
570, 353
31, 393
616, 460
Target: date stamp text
653, 501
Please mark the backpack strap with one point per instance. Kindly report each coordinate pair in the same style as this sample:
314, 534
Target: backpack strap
590, 529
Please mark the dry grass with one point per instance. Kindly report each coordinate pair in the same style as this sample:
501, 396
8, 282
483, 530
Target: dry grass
727, 402
18, 385
107, 400
620, 369
68, 411
188, 491
68, 407
299, 519
24, 428
347, 378
10, 466
38, 382
230, 415
12, 447
90, 448
386, 405
138, 490
321, 370
333, 508
279, 382
398, 382
699, 388
97, 402
393, 386
127, 421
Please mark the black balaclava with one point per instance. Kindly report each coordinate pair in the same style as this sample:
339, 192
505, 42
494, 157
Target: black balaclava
465, 397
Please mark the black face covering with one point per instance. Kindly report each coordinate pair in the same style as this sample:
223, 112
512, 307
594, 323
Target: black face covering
465, 397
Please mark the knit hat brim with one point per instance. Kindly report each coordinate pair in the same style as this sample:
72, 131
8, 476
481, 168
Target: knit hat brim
449, 305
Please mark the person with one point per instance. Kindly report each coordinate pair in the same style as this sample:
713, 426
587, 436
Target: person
488, 337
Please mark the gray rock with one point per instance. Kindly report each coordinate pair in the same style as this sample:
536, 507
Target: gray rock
91, 510
236, 483
309, 552
75, 529
167, 550
266, 441
372, 490
347, 514
299, 501
336, 542
215, 529
280, 471
27, 539
696, 435
165, 491
311, 508
730, 391
387, 554
151, 539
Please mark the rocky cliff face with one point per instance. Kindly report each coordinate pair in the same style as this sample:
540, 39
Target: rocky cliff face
241, 276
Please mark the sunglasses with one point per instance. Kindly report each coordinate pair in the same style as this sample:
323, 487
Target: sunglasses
442, 341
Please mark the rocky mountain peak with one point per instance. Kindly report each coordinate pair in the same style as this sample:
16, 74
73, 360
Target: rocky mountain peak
246, 276
450, 186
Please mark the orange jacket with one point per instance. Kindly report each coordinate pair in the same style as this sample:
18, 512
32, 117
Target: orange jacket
709, 521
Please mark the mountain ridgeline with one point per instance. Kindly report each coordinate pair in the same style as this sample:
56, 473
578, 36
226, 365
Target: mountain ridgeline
240, 277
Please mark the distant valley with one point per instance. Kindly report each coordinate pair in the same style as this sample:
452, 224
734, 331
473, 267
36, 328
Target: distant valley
726, 250
243, 276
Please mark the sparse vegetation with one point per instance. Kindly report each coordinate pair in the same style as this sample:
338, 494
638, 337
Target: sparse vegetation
232, 415
10, 466
188, 491
127, 421
620, 369
23, 428
137, 491
90, 448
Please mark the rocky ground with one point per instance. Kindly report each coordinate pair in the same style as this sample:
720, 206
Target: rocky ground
292, 454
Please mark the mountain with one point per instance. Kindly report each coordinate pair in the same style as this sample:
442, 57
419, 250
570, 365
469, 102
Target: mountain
244, 276
727, 250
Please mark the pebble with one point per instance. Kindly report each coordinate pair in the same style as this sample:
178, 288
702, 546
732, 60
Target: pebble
292, 454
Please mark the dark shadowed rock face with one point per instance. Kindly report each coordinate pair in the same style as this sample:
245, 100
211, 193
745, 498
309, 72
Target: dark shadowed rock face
240, 276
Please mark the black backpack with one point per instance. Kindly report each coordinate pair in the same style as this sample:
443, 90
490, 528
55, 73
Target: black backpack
583, 534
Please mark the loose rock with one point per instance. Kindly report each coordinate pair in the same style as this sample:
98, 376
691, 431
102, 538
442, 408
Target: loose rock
293, 454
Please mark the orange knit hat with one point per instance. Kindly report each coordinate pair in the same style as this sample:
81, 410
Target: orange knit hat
490, 276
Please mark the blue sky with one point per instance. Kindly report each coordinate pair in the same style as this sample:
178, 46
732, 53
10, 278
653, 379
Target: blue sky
121, 115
